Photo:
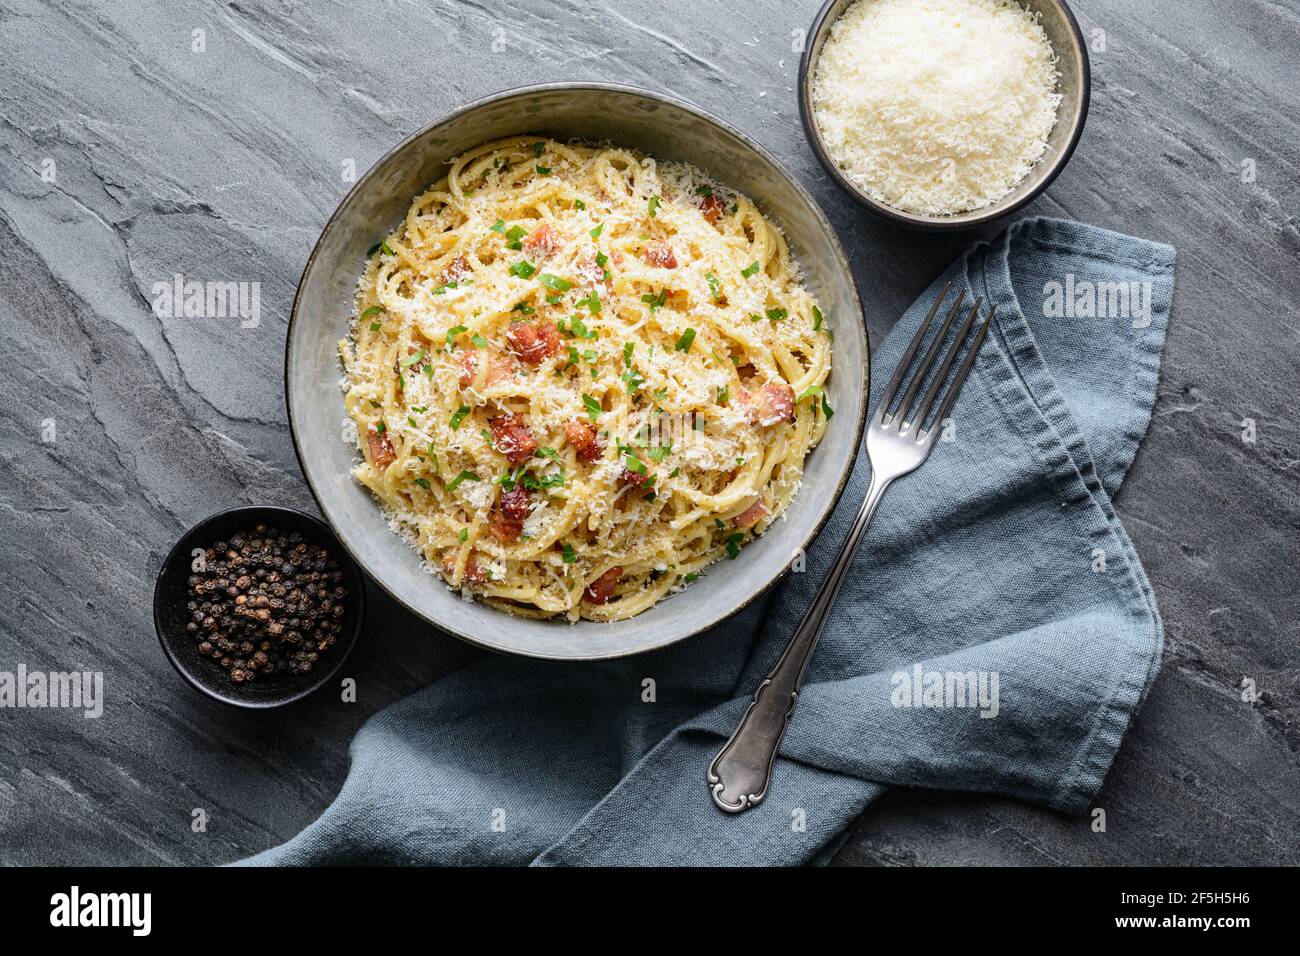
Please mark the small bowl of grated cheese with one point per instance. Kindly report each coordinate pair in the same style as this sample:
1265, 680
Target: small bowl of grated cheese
944, 114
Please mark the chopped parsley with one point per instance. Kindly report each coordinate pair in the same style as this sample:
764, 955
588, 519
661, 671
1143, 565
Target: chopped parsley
569, 555
713, 285
593, 407
595, 233
423, 483
509, 479
819, 323
776, 315
627, 354
455, 482
655, 301
499, 226
633, 463
523, 269
554, 283
576, 327
652, 207
459, 416
513, 238
452, 332
703, 191
724, 394
592, 302
543, 170
418, 357
750, 269
633, 380
684, 343
463, 536
479, 341
733, 544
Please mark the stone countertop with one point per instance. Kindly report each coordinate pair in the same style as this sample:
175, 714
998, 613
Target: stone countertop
147, 139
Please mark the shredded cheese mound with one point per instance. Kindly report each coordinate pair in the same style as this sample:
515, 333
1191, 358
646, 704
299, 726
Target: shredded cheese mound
579, 376
936, 107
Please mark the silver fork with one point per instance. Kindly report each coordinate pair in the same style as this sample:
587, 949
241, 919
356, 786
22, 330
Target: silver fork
898, 440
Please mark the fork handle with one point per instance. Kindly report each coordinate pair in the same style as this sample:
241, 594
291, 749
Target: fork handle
740, 773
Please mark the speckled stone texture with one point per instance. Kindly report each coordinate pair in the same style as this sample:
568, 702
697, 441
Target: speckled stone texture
129, 156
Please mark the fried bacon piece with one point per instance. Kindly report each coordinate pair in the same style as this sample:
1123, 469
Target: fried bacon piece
660, 254
511, 437
601, 590
585, 440
543, 241
474, 572
458, 269
639, 482
750, 516
591, 272
508, 516
769, 405
499, 366
712, 207
630, 477
534, 343
381, 449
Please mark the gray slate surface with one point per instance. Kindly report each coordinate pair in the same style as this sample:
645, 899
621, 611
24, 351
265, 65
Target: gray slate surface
225, 164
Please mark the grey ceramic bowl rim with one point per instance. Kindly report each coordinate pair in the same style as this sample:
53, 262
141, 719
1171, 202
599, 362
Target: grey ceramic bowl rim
814, 208
822, 23
346, 562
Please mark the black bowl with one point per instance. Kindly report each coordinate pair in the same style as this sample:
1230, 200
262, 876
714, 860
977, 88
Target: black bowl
204, 674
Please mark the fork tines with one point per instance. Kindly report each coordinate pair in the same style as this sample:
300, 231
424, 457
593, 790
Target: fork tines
912, 417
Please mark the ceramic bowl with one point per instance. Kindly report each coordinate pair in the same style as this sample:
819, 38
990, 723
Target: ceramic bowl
1074, 86
662, 127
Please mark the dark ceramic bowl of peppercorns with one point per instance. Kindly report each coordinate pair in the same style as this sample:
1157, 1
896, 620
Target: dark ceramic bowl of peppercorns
258, 607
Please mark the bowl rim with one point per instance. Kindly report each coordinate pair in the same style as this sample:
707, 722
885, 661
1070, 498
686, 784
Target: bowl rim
345, 647
842, 261
822, 23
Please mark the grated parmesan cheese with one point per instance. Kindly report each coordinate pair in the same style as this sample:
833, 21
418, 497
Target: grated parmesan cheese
936, 107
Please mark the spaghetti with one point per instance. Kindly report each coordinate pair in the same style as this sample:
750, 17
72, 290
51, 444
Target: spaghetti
579, 376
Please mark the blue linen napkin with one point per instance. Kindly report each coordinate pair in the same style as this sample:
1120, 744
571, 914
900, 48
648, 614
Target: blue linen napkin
1001, 559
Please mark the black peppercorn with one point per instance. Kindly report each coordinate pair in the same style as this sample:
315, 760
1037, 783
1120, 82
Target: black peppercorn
268, 603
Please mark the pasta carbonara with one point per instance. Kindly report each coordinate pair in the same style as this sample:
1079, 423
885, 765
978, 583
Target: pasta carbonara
580, 376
